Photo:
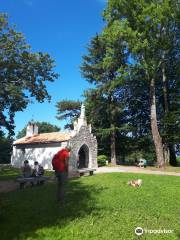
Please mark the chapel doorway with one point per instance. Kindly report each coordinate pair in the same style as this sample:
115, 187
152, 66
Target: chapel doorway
83, 155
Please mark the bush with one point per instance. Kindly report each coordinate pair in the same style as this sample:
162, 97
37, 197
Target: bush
101, 159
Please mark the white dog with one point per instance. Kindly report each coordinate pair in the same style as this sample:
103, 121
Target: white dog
135, 183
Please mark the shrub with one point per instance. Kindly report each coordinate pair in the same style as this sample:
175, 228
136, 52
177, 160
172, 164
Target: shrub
101, 159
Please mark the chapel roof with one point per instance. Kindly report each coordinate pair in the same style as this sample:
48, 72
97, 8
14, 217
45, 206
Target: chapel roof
53, 137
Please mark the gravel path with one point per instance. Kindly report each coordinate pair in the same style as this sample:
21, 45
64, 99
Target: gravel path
134, 170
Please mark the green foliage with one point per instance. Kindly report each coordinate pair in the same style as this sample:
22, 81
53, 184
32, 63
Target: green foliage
103, 67
23, 74
68, 110
43, 127
138, 44
171, 127
130, 149
132, 158
150, 31
107, 209
5, 149
101, 159
9, 173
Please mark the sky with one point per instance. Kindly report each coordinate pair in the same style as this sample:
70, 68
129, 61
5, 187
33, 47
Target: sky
62, 28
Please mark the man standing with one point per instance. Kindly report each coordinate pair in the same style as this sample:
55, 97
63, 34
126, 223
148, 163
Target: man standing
60, 165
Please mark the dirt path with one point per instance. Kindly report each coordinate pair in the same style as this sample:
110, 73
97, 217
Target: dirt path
8, 185
134, 170
11, 185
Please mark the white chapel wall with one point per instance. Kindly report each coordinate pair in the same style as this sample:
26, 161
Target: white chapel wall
43, 155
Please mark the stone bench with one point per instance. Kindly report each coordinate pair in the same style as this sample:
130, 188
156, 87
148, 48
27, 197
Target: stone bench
32, 180
82, 171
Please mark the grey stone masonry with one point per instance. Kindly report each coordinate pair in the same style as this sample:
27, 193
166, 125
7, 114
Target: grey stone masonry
83, 139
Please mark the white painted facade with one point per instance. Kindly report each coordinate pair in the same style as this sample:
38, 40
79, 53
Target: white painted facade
43, 154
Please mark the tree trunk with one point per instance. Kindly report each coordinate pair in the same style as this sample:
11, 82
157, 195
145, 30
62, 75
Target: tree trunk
165, 91
166, 109
169, 150
169, 154
154, 127
166, 154
113, 132
173, 160
113, 146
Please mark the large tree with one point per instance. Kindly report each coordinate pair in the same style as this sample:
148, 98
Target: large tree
23, 74
150, 30
170, 111
68, 110
102, 67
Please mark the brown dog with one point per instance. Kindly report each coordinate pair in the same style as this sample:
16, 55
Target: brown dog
135, 183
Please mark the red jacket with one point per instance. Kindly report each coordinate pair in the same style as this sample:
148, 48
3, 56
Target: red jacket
58, 161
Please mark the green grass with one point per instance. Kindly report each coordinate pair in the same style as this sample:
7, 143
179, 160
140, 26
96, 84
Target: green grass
9, 173
98, 207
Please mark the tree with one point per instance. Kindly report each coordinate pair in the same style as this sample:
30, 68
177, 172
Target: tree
170, 109
43, 127
150, 30
102, 67
23, 74
97, 116
5, 149
68, 110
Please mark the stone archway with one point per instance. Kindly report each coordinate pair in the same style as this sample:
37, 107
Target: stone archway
83, 156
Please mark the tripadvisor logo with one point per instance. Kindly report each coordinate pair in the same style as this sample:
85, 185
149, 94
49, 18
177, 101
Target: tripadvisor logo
138, 231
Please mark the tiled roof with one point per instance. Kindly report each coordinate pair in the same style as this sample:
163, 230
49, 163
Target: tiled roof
44, 138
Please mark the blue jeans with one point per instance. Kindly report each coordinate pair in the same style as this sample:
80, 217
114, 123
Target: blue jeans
61, 185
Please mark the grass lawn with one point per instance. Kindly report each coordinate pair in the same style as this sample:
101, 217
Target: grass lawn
9, 173
98, 207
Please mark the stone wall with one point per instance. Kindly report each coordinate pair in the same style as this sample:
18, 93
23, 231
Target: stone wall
83, 137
